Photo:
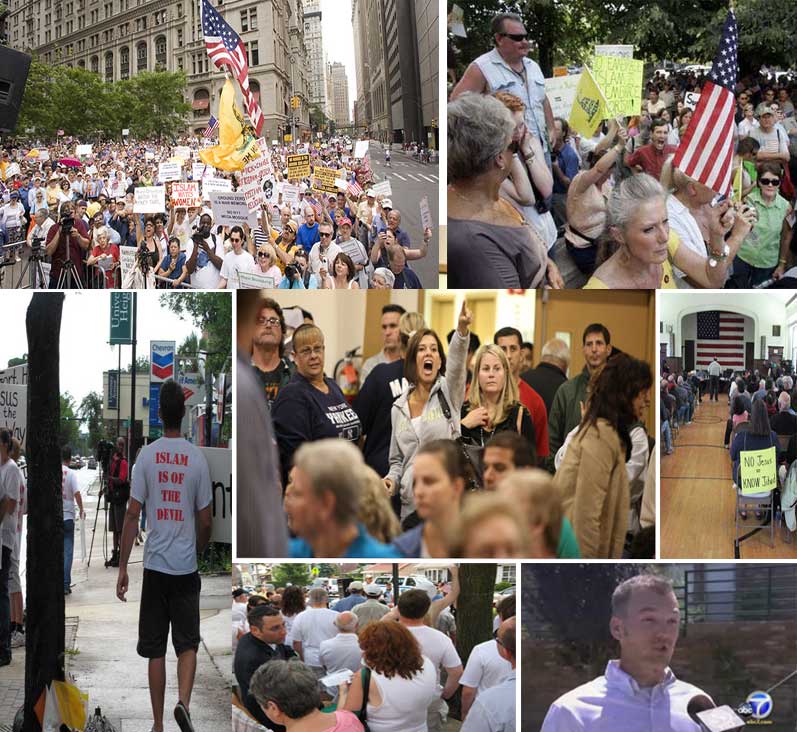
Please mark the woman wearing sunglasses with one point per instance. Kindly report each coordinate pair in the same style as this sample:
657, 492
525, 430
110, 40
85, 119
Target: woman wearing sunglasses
267, 262
765, 250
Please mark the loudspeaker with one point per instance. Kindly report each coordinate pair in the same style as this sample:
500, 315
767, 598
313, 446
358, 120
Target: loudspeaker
14, 68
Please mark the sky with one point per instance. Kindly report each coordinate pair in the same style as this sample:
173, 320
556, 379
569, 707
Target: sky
85, 329
338, 38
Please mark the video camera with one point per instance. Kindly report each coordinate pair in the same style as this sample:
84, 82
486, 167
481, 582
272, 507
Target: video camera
67, 223
143, 258
37, 245
104, 452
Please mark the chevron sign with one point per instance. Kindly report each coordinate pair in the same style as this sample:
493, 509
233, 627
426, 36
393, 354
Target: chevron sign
161, 361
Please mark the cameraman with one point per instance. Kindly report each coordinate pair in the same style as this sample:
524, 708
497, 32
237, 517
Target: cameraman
205, 252
41, 227
298, 275
118, 493
65, 242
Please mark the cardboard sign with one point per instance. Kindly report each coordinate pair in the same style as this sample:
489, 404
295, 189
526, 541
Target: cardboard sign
209, 185
620, 80
691, 99
44, 155
426, 214
14, 409
13, 169
220, 466
169, 171
616, 50
200, 171
298, 166
324, 179
361, 149
561, 93
290, 193
758, 471
151, 199
127, 260
185, 195
255, 281
182, 151
382, 189
82, 150
229, 208
252, 182
125, 132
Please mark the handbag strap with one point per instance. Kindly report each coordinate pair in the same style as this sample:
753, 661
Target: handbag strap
365, 675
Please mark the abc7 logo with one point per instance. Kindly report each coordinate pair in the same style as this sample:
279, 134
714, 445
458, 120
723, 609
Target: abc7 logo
761, 703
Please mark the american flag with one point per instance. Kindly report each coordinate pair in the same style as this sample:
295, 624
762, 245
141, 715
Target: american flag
212, 127
706, 150
225, 48
720, 335
317, 206
354, 189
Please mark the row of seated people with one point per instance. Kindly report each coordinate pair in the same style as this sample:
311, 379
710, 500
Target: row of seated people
679, 399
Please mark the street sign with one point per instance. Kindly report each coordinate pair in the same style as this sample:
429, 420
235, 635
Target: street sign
121, 317
113, 390
154, 403
161, 361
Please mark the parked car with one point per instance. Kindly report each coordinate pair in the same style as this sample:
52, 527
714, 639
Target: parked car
92, 464
498, 596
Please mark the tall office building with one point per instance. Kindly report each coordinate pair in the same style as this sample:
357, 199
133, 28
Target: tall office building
120, 38
338, 94
313, 38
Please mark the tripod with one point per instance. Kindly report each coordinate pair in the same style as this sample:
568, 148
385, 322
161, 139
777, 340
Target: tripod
33, 268
69, 279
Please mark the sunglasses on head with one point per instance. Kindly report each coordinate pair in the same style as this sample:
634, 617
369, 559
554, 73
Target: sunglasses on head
515, 36
769, 181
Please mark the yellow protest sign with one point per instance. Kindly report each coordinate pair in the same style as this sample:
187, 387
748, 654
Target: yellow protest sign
298, 166
620, 80
324, 179
758, 471
589, 106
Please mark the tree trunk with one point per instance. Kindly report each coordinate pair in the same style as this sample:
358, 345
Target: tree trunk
45, 560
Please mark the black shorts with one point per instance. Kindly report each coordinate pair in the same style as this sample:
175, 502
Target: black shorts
116, 517
168, 599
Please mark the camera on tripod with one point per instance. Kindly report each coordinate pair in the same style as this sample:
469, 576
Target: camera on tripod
104, 452
67, 224
37, 246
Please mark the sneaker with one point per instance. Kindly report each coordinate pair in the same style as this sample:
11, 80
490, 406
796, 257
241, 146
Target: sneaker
182, 718
17, 639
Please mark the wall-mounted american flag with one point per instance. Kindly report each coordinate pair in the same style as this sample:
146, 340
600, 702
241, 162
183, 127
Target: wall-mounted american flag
225, 48
720, 335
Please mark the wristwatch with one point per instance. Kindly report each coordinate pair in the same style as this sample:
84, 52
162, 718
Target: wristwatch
716, 257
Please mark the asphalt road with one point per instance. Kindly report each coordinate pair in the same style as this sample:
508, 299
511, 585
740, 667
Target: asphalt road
411, 181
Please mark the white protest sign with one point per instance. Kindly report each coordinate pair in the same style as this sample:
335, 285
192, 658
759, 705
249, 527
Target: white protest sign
91, 169
125, 131
561, 92
149, 156
426, 214
13, 169
290, 193
456, 21
255, 281
15, 375
83, 150
382, 189
169, 171
275, 143
361, 149
186, 195
150, 199
182, 151
253, 175
14, 409
127, 260
229, 208
200, 170
618, 50
44, 154
209, 185
691, 99
220, 465
341, 184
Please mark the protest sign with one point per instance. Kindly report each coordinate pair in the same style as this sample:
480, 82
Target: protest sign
758, 471
361, 149
324, 179
262, 143
14, 409
616, 50
620, 80
219, 461
12, 169
274, 143
426, 214
169, 171
185, 195
182, 151
252, 179
298, 166
150, 199
382, 189
456, 21
341, 184
290, 193
229, 208
589, 106
82, 150
691, 99
149, 156
91, 169
176, 161
200, 170
255, 281
561, 93
127, 260
44, 155
215, 184
125, 132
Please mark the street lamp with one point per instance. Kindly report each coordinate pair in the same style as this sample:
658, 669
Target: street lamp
292, 60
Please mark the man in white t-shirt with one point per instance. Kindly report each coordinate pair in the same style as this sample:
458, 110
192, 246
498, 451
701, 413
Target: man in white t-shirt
436, 646
486, 667
312, 627
323, 253
236, 260
173, 479
239, 605
9, 495
204, 261
70, 494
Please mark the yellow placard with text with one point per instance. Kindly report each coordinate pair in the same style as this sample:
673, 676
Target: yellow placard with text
620, 80
324, 179
758, 471
298, 166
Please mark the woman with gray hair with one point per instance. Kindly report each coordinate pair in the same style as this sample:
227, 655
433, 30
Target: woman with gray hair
288, 693
642, 249
490, 244
382, 279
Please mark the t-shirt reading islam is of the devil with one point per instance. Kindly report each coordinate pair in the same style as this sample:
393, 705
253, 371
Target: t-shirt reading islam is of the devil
172, 477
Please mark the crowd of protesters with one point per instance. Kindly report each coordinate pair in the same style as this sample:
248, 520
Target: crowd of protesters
82, 210
302, 663
531, 203
441, 446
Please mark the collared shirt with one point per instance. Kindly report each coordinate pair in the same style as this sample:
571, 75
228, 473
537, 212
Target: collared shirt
364, 546
616, 701
494, 709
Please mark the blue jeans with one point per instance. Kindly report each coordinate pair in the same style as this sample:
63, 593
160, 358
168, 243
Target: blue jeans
5, 606
666, 433
746, 276
683, 414
69, 548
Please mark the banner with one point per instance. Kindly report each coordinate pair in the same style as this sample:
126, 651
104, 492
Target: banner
616, 50
758, 471
220, 466
161, 360
229, 209
561, 93
169, 171
150, 199
185, 195
620, 80
14, 410
252, 179
255, 281
121, 316
113, 390
324, 179
298, 166
589, 106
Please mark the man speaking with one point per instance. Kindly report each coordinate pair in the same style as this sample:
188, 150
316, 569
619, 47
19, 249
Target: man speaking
638, 692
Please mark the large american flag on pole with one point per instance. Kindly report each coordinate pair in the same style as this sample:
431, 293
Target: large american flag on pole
720, 335
225, 48
706, 150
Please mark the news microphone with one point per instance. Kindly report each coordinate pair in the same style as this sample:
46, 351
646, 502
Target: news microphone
711, 718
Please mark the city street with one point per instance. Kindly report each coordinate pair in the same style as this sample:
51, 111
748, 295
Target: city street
411, 181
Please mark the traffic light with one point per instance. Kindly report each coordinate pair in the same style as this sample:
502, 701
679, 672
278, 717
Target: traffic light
294, 102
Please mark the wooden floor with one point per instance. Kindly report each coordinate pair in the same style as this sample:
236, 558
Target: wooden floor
697, 498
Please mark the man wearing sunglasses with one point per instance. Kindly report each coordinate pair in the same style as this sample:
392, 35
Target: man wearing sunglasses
508, 68
236, 260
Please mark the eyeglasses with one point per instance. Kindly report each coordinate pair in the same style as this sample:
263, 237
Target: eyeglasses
769, 181
515, 36
325, 233
264, 255
235, 241
315, 351
267, 321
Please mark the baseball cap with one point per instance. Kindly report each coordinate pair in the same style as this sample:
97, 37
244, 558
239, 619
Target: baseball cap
291, 224
373, 590
370, 193
387, 203
356, 585
766, 109
345, 221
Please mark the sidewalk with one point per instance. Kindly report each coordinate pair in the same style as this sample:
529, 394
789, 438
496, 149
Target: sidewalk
101, 633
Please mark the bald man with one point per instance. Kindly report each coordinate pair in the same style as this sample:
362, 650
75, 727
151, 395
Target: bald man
343, 650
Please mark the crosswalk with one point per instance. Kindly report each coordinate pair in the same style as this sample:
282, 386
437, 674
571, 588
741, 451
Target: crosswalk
428, 178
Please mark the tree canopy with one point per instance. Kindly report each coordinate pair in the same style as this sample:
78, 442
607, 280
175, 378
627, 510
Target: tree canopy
91, 412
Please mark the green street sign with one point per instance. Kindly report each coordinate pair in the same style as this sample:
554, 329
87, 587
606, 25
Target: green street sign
121, 317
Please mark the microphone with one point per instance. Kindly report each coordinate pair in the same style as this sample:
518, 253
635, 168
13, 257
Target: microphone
711, 718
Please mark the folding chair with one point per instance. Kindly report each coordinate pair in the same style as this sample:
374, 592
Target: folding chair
759, 479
